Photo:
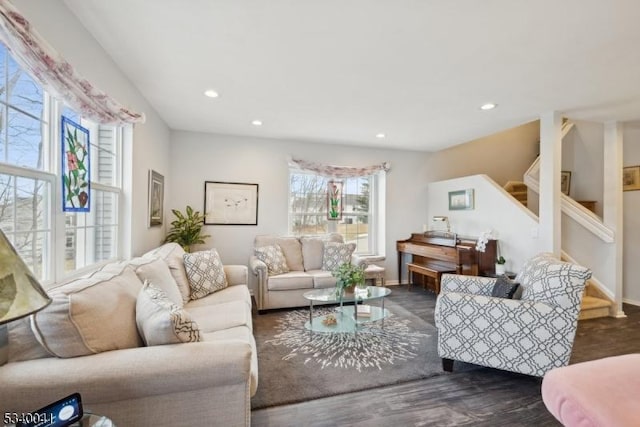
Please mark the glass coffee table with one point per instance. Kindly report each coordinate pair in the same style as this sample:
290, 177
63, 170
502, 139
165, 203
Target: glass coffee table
347, 318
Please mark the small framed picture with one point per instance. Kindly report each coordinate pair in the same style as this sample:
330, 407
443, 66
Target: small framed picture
631, 178
156, 198
565, 182
461, 200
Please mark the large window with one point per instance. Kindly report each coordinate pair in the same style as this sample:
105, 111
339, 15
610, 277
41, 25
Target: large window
30, 207
308, 209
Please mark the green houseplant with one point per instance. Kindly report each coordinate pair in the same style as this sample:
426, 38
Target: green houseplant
186, 229
349, 276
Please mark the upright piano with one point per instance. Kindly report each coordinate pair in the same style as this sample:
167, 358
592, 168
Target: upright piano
434, 253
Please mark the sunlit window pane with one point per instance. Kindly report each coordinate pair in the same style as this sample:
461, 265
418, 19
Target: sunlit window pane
308, 208
24, 93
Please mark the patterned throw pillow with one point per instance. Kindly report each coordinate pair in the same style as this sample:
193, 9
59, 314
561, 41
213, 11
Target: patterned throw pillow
160, 321
504, 288
205, 273
274, 258
336, 254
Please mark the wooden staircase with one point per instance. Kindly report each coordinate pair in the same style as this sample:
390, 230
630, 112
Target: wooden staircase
518, 190
594, 303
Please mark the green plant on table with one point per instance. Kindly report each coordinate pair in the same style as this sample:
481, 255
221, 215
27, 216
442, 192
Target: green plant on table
349, 275
501, 260
186, 229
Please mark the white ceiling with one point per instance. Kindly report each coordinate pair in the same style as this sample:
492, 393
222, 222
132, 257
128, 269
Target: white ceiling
340, 71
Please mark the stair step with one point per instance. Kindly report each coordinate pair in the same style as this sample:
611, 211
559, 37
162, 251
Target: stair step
593, 308
519, 187
520, 196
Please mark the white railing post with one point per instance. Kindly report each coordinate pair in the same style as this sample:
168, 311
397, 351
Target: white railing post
613, 201
550, 164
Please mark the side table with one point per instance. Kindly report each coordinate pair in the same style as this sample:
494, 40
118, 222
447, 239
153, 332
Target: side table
374, 272
510, 274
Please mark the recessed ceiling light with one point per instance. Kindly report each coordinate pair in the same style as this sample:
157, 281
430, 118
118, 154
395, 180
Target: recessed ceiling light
211, 93
257, 122
380, 135
488, 106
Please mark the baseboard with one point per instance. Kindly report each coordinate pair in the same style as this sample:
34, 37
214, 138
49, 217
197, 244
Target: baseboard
631, 301
394, 283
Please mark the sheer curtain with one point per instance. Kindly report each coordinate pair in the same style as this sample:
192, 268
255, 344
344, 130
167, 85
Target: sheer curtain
338, 171
56, 75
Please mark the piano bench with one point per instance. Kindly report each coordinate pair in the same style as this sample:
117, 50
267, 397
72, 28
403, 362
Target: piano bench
432, 269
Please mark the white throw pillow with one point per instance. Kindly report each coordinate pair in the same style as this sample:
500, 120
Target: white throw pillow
336, 254
90, 314
205, 272
273, 257
160, 321
156, 271
173, 254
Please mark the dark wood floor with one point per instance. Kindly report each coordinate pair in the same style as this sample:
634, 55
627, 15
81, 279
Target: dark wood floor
470, 396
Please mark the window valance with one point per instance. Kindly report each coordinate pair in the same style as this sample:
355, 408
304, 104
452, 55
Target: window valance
338, 171
56, 75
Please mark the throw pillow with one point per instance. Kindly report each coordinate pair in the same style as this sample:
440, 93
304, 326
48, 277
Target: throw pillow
504, 288
160, 321
205, 272
273, 257
336, 254
173, 255
91, 314
157, 271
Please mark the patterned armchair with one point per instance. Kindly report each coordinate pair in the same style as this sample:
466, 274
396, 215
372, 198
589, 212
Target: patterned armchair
530, 336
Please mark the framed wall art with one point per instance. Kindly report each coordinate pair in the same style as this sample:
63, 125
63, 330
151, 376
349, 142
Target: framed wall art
334, 200
76, 177
631, 178
156, 198
565, 182
230, 203
461, 200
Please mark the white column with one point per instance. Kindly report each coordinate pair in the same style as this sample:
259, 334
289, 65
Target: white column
550, 164
613, 201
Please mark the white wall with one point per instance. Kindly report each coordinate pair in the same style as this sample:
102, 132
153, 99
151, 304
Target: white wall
513, 224
150, 149
631, 287
199, 157
582, 152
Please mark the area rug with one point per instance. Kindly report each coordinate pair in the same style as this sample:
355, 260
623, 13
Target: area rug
294, 365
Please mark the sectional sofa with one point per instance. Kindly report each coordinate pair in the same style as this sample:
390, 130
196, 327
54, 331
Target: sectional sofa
91, 340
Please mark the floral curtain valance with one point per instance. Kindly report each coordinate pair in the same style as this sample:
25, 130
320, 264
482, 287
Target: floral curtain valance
338, 171
56, 75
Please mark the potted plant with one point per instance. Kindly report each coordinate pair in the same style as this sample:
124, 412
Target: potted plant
186, 229
500, 265
349, 276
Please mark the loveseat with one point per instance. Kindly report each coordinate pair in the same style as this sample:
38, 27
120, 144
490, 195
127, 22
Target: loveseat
91, 339
286, 267
530, 335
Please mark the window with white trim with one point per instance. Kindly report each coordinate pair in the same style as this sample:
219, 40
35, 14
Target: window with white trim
308, 209
31, 213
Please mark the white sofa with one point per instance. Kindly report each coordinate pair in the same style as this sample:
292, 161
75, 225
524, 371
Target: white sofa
305, 259
91, 327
